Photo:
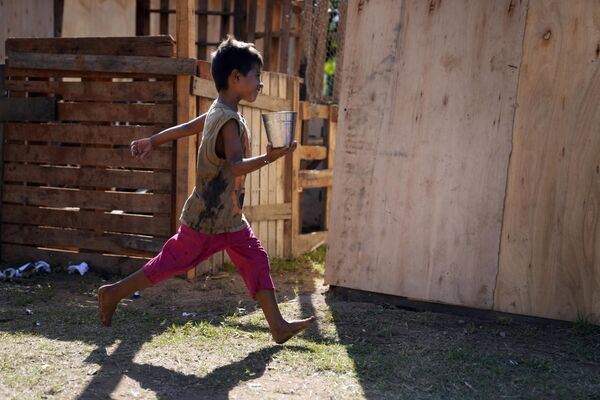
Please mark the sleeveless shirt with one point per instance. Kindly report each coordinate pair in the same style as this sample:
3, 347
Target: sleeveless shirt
215, 205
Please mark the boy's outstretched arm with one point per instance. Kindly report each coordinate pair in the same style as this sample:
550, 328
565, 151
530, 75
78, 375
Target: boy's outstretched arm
232, 146
141, 147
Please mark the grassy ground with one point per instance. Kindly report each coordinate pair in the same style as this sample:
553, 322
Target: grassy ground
221, 348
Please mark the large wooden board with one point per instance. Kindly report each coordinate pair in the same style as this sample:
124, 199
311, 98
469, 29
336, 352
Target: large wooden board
25, 18
550, 252
424, 142
159, 46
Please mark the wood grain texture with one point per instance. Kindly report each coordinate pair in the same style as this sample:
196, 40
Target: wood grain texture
157, 46
550, 249
424, 138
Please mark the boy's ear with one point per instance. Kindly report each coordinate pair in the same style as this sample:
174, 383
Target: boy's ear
235, 74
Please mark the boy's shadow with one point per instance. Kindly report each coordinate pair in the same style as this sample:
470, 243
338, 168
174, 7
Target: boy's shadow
169, 384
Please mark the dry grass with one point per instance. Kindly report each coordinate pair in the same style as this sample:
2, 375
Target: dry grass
357, 350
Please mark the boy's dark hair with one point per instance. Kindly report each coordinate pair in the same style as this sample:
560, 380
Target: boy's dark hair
233, 54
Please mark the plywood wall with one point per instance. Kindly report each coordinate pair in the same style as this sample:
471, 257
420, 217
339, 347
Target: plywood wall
93, 18
550, 252
25, 18
425, 126
467, 168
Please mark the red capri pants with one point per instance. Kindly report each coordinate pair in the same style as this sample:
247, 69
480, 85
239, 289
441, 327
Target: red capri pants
188, 248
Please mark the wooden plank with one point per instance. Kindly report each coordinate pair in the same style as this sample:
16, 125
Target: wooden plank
309, 241
272, 179
331, 138
86, 156
280, 182
185, 161
549, 252
423, 150
98, 90
239, 20
263, 173
286, 10
91, 199
159, 226
59, 7
27, 109
17, 254
15, 73
313, 178
267, 42
164, 17
25, 18
292, 167
85, 134
103, 63
142, 18
107, 242
268, 212
75, 177
143, 46
3, 81
202, 30
206, 88
225, 19
312, 152
2, 209
108, 112
313, 110
252, 21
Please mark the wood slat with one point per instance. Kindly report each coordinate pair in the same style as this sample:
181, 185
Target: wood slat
313, 178
74, 177
313, 111
309, 241
113, 264
27, 109
99, 112
140, 224
108, 242
86, 134
59, 73
98, 90
268, 212
85, 156
312, 152
158, 46
90, 199
206, 88
103, 63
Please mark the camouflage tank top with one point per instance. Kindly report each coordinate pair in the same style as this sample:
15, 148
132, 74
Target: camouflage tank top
215, 205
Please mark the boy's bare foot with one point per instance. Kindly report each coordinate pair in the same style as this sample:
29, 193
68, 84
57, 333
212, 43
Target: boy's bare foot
107, 303
289, 329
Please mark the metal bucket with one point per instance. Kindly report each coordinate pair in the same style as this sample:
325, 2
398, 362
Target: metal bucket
280, 127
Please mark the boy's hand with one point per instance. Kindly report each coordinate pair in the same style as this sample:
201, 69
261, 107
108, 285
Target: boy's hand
274, 154
141, 147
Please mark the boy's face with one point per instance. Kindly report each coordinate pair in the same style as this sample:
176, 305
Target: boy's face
248, 86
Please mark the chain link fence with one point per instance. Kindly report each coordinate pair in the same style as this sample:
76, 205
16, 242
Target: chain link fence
323, 44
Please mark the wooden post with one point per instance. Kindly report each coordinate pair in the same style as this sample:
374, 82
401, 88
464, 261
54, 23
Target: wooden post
186, 109
331, 137
284, 41
203, 30
142, 18
1, 177
58, 17
292, 229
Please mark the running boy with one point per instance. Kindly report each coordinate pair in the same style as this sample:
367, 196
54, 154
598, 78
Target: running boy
212, 218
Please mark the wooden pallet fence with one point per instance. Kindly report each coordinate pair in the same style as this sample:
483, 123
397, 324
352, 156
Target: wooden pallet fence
275, 26
268, 199
71, 190
308, 179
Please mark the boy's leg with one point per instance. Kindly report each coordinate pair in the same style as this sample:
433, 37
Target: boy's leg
183, 251
248, 255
